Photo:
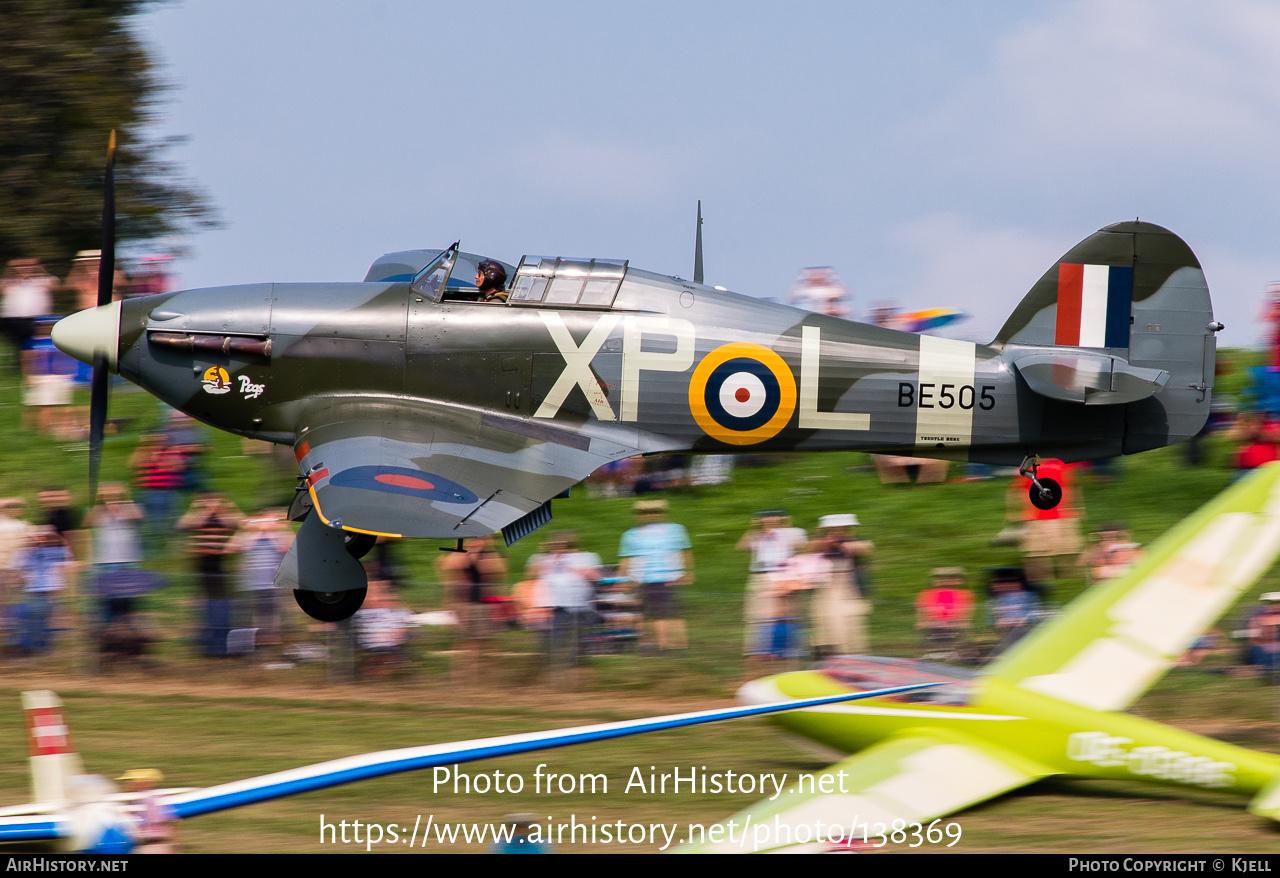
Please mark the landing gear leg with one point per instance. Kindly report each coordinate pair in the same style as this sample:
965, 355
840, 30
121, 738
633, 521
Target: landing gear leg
1044, 493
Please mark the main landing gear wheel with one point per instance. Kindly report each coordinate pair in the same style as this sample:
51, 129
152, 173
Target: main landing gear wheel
1046, 495
329, 606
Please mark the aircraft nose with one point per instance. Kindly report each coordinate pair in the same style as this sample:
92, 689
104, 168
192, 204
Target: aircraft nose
88, 332
762, 691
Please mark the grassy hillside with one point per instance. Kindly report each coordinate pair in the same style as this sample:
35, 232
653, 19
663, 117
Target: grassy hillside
914, 528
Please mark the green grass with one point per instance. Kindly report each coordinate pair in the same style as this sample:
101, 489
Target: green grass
914, 529
201, 739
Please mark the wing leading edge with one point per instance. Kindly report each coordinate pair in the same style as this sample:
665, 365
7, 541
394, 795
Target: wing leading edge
373, 467
353, 768
32, 828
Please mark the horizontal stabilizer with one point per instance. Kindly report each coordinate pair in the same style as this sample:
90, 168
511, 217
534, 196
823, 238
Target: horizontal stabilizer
1074, 375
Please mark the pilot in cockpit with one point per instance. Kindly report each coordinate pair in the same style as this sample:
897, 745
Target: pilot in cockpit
491, 279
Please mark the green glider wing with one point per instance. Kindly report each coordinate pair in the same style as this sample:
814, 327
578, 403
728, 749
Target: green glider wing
902, 783
1116, 640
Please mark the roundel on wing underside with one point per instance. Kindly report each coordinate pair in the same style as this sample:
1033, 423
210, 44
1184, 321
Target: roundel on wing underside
402, 480
742, 394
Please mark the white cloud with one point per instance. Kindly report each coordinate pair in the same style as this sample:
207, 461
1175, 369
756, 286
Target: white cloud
1106, 83
1102, 109
985, 271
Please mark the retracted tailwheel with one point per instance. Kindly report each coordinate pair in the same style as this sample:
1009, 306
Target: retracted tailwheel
329, 606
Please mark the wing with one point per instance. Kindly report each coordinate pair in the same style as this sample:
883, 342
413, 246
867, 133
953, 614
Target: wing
418, 469
24, 810
1120, 637
90, 828
914, 777
103, 826
33, 828
353, 768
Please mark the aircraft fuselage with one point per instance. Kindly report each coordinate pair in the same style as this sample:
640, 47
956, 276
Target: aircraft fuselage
1065, 738
670, 366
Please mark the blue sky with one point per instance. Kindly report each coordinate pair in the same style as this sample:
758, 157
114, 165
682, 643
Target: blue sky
935, 153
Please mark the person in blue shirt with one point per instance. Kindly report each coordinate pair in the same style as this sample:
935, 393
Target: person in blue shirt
42, 565
656, 555
1014, 608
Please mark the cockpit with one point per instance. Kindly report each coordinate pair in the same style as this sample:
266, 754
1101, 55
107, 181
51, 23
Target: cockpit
567, 283
864, 673
449, 275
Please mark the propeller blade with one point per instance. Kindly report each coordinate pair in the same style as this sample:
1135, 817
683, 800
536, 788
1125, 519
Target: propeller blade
101, 381
97, 420
107, 261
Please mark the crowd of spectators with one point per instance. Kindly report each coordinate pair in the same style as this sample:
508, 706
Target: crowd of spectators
807, 595
31, 301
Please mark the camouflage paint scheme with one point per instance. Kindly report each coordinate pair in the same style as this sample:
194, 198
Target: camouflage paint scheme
416, 415
1051, 705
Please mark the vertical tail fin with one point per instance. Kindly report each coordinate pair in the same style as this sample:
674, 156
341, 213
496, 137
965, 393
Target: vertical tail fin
53, 759
1129, 302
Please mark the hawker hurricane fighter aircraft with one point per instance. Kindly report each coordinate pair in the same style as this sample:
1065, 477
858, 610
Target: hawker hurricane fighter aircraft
420, 405
1051, 706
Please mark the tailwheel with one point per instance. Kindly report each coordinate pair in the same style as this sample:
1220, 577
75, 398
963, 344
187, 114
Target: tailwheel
1045, 493
329, 606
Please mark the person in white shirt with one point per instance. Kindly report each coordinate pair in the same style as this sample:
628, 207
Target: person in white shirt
568, 579
772, 542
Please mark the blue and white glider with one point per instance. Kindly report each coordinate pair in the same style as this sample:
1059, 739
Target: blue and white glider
65, 819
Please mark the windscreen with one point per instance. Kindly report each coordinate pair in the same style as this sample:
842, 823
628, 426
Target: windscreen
432, 280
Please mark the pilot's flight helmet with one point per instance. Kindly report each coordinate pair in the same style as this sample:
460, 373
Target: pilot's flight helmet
495, 276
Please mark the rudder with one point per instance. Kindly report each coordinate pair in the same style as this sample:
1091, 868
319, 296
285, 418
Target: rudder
54, 760
1135, 292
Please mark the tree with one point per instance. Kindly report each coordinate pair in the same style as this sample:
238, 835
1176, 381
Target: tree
70, 72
